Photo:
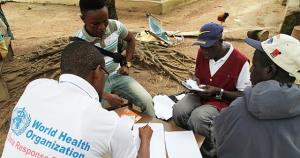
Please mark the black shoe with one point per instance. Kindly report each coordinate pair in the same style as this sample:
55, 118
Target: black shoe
208, 150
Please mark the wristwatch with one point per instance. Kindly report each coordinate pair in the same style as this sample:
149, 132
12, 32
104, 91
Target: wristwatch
219, 96
129, 64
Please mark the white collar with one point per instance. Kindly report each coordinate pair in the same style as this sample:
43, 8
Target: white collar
226, 56
80, 83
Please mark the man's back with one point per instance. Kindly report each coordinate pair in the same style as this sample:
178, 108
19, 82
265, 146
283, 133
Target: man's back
64, 119
263, 123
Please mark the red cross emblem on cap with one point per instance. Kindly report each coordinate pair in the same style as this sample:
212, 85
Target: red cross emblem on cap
275, 53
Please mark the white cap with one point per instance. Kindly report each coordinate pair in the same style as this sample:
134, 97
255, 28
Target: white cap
283, 50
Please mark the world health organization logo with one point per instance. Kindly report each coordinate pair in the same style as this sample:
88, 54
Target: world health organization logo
20, 121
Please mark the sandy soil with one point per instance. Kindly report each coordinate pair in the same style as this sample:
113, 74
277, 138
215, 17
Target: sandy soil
35, 25
42, 23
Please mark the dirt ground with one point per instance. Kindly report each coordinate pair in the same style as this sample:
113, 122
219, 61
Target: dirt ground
35, 25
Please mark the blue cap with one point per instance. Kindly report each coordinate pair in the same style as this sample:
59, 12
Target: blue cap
255, 44
209, 34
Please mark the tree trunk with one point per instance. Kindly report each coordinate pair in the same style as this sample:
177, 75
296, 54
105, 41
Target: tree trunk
112, 9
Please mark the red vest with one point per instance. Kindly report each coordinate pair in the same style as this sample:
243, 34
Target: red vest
226, 77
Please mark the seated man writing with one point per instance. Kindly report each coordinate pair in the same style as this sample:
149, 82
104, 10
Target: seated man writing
225, 73
65, 119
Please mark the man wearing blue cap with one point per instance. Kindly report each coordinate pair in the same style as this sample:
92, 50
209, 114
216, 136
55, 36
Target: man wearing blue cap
223, 74
265, 121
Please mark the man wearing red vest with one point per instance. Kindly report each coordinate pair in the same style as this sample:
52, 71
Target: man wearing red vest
223, 73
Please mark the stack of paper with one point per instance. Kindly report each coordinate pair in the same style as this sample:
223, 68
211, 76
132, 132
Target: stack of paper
181, 144
163, 107
192, 85
157, 144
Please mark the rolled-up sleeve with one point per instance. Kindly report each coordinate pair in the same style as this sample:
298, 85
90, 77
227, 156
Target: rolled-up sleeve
244, 78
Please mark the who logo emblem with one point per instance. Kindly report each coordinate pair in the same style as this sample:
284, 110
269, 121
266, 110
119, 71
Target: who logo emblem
20, 121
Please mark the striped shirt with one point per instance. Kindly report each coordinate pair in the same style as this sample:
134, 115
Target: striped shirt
109, 41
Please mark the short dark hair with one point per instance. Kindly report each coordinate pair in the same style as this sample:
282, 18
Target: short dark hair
86, 5
80, 58
281, 74
264, 59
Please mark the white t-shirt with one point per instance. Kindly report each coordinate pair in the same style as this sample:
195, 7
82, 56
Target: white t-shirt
66, 120
244, 76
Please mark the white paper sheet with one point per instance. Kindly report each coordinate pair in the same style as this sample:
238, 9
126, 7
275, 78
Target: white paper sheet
157, 144
179, 97
163, 107
192, 85
182, 144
